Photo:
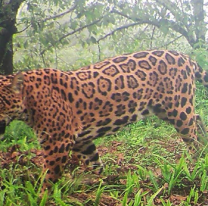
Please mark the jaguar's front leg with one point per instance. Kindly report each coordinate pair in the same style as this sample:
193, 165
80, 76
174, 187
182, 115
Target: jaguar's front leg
56, 154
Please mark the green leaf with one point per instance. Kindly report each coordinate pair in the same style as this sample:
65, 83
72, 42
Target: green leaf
164, 27
93, 40
74, 25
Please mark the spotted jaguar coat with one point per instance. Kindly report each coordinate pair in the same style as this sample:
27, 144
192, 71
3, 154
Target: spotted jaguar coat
67, 110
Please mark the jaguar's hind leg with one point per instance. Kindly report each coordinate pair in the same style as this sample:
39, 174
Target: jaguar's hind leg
201, 127
201, 130
86, 152
185, 122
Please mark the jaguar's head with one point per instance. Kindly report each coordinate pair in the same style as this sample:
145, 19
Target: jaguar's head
11, 101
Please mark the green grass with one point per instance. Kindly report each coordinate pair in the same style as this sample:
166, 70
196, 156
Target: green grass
145, 164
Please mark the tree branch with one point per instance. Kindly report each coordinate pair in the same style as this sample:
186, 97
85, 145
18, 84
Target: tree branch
71, 33
23, 29
118, 29
61, 14
152, 35
165, 45
124, 15
172, 7
157, 23
199, 16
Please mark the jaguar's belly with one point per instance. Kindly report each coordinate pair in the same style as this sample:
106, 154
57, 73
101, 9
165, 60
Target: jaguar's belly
110, 125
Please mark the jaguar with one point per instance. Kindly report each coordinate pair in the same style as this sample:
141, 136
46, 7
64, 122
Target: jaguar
68, 110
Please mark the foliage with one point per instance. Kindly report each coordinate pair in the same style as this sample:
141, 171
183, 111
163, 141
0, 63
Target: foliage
88, 31
48, 32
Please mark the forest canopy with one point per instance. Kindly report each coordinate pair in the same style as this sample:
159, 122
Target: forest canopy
46, 33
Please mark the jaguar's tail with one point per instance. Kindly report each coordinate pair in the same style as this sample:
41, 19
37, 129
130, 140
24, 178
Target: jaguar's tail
200, 74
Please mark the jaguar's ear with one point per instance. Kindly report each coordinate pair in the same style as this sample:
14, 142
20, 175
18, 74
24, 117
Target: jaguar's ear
17, 83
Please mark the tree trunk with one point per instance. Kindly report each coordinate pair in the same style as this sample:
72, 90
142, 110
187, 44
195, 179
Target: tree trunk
199, 18
6, 52
8, 12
